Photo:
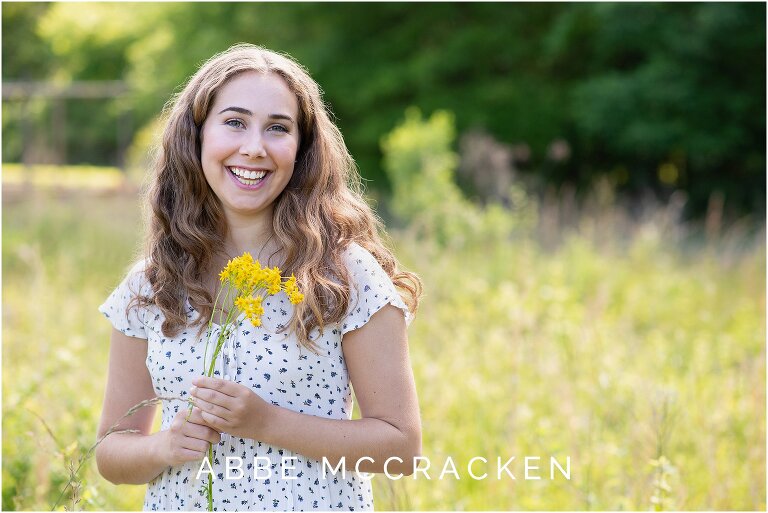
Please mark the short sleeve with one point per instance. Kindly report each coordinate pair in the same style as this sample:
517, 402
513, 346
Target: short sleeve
370, 289
115, 308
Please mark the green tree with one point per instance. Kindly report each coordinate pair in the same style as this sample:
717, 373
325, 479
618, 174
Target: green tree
656, 96
668, 84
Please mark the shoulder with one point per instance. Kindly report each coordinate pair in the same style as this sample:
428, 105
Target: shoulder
358, 259
363, 268
370, 288
138, 267
121, 308
135, 280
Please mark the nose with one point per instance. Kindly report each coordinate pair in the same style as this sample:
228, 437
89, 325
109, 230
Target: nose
253, 145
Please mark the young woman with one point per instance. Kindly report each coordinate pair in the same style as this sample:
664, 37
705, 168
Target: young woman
251, 161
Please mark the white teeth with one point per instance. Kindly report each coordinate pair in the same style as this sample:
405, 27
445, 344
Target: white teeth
245, 174
247, 177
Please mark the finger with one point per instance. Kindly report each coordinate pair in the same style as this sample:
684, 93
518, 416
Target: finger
211, 434
196, 417
194, 444
217, 423
202, 432
212, 396
220, 385
191, 455
178, 420
212, 408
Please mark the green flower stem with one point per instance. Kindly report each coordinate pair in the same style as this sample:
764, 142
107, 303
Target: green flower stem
209, 490
220, 341
209, 372
207, 341
210, 326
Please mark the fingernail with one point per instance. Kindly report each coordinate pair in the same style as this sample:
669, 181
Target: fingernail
192, 390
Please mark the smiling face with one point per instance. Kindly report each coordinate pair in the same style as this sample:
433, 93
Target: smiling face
249, 143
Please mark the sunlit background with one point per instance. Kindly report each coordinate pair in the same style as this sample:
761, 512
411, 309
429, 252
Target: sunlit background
580, 186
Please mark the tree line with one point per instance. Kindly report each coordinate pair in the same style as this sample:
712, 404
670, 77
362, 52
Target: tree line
653, 96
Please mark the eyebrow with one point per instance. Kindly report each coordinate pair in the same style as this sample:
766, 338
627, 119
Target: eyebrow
247, 112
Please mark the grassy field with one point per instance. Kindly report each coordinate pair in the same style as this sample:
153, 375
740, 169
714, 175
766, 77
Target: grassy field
642, 360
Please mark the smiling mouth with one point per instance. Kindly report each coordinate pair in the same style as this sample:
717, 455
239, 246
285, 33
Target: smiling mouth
246, 176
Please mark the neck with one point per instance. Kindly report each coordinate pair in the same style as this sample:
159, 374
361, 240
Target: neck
251, 234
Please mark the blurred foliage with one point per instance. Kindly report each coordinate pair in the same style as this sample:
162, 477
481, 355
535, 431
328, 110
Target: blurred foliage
420, 164
650, 96
26, 55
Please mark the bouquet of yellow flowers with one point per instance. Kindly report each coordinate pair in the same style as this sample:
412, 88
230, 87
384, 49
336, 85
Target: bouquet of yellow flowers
243, 282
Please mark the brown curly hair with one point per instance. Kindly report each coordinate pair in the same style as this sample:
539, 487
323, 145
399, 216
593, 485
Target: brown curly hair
318, 214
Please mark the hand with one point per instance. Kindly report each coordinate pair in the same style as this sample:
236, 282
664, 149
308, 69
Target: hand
230, 407
187, 439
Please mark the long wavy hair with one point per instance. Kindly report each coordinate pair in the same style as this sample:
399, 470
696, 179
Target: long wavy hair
318, 214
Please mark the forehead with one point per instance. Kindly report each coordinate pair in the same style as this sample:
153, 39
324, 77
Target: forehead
257, 92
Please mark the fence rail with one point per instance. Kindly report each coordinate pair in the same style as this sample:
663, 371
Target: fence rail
51, 147
22, 90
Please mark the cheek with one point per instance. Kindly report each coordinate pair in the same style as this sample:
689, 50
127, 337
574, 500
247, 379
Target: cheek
205, 144
287, 152
212, 144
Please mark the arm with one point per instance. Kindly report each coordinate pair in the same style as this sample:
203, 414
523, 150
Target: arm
129, 457
137, 458
380, 371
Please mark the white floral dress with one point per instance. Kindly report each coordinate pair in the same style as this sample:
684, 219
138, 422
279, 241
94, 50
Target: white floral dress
279, 370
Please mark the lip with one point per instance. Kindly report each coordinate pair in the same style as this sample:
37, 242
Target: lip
248, 187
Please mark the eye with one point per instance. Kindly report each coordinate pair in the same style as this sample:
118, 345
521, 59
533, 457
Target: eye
235, 123
279, 128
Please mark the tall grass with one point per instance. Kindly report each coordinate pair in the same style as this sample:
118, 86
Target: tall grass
61, 255
614, 358
612, 343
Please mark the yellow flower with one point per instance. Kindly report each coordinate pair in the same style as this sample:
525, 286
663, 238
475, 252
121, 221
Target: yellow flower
226, 273
256, 304
256, 311
242, 303
292, 289
252, 308
237, 271
244, 271
247, 276
255, 276
272, 280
